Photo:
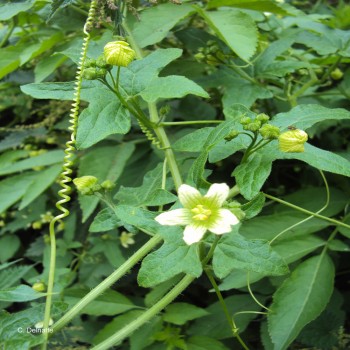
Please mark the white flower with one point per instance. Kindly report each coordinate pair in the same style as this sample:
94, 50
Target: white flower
200, 213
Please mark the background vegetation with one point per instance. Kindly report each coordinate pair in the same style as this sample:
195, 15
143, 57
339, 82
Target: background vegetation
246, 57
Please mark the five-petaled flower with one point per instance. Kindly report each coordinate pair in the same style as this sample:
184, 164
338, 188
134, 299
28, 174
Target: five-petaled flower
201, 213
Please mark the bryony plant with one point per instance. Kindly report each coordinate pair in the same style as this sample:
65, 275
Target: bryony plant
201, 213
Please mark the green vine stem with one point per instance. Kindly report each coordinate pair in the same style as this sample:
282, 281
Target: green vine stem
309, 217
67, 171
154, 118
333, 221
146, 316
109, 281
230, 320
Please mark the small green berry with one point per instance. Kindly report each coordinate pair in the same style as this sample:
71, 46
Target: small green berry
39, 287
107, 185
337, 74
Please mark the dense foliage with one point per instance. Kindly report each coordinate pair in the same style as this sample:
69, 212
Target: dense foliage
251, 93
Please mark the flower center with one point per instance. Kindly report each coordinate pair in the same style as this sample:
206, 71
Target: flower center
200, 212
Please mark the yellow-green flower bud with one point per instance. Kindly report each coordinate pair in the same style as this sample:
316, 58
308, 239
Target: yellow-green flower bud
85, 184
263, 118
89, 62
119, 53
269, 132
231, 135
292, 141
254, 126
107, 185
337, 74
90, 73
37, 225
101, 63
39, 287
245, 120
199, 56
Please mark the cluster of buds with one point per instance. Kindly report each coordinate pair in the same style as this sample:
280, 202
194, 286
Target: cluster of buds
95, 69
260, 124
46, 219
88, 185
211, 54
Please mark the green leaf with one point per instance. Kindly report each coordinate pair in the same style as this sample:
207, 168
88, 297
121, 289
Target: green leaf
172, 258
108, 163
12, 275
41, 182
251, 175
154, 23
47, 66
10, 324
305, 116
204, 343
47, 158
20, 293
236, 252
236, 29
109, 303
13, 188
171, 87
143, 220
256, 5
9, 245
254, 207
215, 136
216, 324
181, 313
57, 4
138, 75
320, 159
118, 323
149, 194
290, 250
300, 299
105, 116
105, 220
194, 141
9, 10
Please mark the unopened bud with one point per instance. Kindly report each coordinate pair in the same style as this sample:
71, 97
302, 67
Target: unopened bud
263, 118
269, 132
107, 185
254, 126
337, 74
292, 141
232, 134
39, 287
86, 184
119, 53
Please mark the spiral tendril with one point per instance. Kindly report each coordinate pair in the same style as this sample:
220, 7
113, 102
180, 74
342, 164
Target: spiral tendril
149, 134
67, 164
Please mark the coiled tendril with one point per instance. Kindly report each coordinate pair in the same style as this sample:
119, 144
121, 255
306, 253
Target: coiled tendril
149, 134
67, 164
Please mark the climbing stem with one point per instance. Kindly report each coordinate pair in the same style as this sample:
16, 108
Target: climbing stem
146, 316
109, 281
155, 120
191, 122
230, 320
333, 221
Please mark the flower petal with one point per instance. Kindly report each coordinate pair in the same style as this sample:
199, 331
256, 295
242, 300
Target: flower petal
189, 196
174, 217
193, 233
223, 221
217, 195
